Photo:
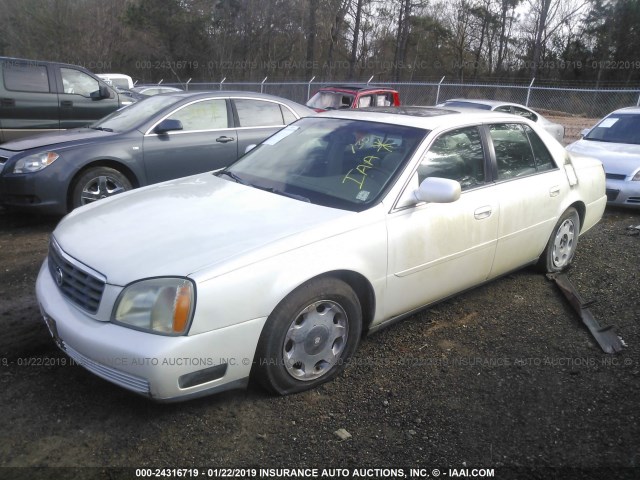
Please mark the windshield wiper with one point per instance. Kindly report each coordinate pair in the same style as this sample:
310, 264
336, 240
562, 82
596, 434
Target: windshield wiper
104, 129
233, 176
283, 193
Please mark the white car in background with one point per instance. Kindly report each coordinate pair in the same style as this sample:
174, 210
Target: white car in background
339, 224
555, 129
615, 141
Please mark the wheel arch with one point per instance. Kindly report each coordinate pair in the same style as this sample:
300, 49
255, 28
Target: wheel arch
116, 165
362, 288
581, 209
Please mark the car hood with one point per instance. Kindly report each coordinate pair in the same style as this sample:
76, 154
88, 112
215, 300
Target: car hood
56, 138
620, 158
179, 227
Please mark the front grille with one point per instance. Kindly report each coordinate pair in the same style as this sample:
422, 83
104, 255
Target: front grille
77, 284
635, 200
612, 194
615, 176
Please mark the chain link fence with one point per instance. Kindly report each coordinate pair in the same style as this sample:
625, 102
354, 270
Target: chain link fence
575, 108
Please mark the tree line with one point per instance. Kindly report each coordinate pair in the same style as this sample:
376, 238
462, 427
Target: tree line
586, 41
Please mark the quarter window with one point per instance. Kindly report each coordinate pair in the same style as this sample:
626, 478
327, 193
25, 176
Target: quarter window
456, 155
26, 78
544, 160
204, 115
78, 83
258, 113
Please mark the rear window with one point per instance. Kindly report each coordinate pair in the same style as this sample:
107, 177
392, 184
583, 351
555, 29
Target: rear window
25, 77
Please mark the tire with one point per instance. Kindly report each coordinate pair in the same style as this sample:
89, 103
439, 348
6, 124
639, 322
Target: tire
561, 248
97, 183
309, 337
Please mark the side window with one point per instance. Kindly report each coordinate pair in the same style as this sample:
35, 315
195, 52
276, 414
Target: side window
258, 113
513, 151
504, 109
457, 155
525, 113
384, 100
287, 115
365, 101
26, 78
544, 160
78, 83
204, 115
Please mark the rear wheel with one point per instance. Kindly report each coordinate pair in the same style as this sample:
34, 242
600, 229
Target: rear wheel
562, 244
309, 337
97, 183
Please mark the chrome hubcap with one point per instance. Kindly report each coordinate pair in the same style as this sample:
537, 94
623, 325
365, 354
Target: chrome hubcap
564, 243
315, 340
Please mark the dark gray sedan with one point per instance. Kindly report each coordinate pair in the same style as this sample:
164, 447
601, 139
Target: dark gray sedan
160, 138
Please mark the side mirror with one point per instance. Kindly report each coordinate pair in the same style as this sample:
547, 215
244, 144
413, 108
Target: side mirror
102, 92
167, 125
438, 190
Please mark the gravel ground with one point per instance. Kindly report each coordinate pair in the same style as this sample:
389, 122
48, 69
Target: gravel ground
504, 377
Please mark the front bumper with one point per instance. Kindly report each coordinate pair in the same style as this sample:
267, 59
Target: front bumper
624, 193
34, 191
161, 367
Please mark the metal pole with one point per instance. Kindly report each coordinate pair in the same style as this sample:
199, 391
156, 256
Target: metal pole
529, 91
187, 85
222, 81
309, 87
262, 84
438, 92
369, 81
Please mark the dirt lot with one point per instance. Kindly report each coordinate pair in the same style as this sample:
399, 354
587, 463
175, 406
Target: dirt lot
504, 377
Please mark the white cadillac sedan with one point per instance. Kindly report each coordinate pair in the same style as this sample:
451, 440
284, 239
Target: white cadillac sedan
273, 268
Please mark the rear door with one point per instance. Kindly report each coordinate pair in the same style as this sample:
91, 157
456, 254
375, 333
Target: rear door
530, 187
28, 102
258, 119
206, 142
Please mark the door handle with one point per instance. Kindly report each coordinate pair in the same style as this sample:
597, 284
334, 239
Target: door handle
554, 191
224, 139
66, 103
7, 102
482, 212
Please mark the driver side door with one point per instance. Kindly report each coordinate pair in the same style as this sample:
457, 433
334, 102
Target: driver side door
438, 249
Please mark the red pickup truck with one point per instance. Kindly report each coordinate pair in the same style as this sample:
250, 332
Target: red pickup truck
353, 96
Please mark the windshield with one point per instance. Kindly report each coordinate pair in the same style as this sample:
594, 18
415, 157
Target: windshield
330, 100
131, 116
617, 128
332, 162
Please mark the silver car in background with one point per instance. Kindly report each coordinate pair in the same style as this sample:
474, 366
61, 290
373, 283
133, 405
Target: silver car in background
555, 129
615, 141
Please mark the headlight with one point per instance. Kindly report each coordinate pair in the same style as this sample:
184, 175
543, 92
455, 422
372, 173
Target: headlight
160, 305
36, 162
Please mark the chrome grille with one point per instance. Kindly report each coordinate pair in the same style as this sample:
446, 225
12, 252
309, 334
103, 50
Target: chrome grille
77, 284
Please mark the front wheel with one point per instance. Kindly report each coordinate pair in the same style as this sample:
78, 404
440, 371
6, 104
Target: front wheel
562, 244
309, 337
97, 183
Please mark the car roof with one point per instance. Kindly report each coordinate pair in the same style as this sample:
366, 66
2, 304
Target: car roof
428, 118
490, 103
634, 110
356, 88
